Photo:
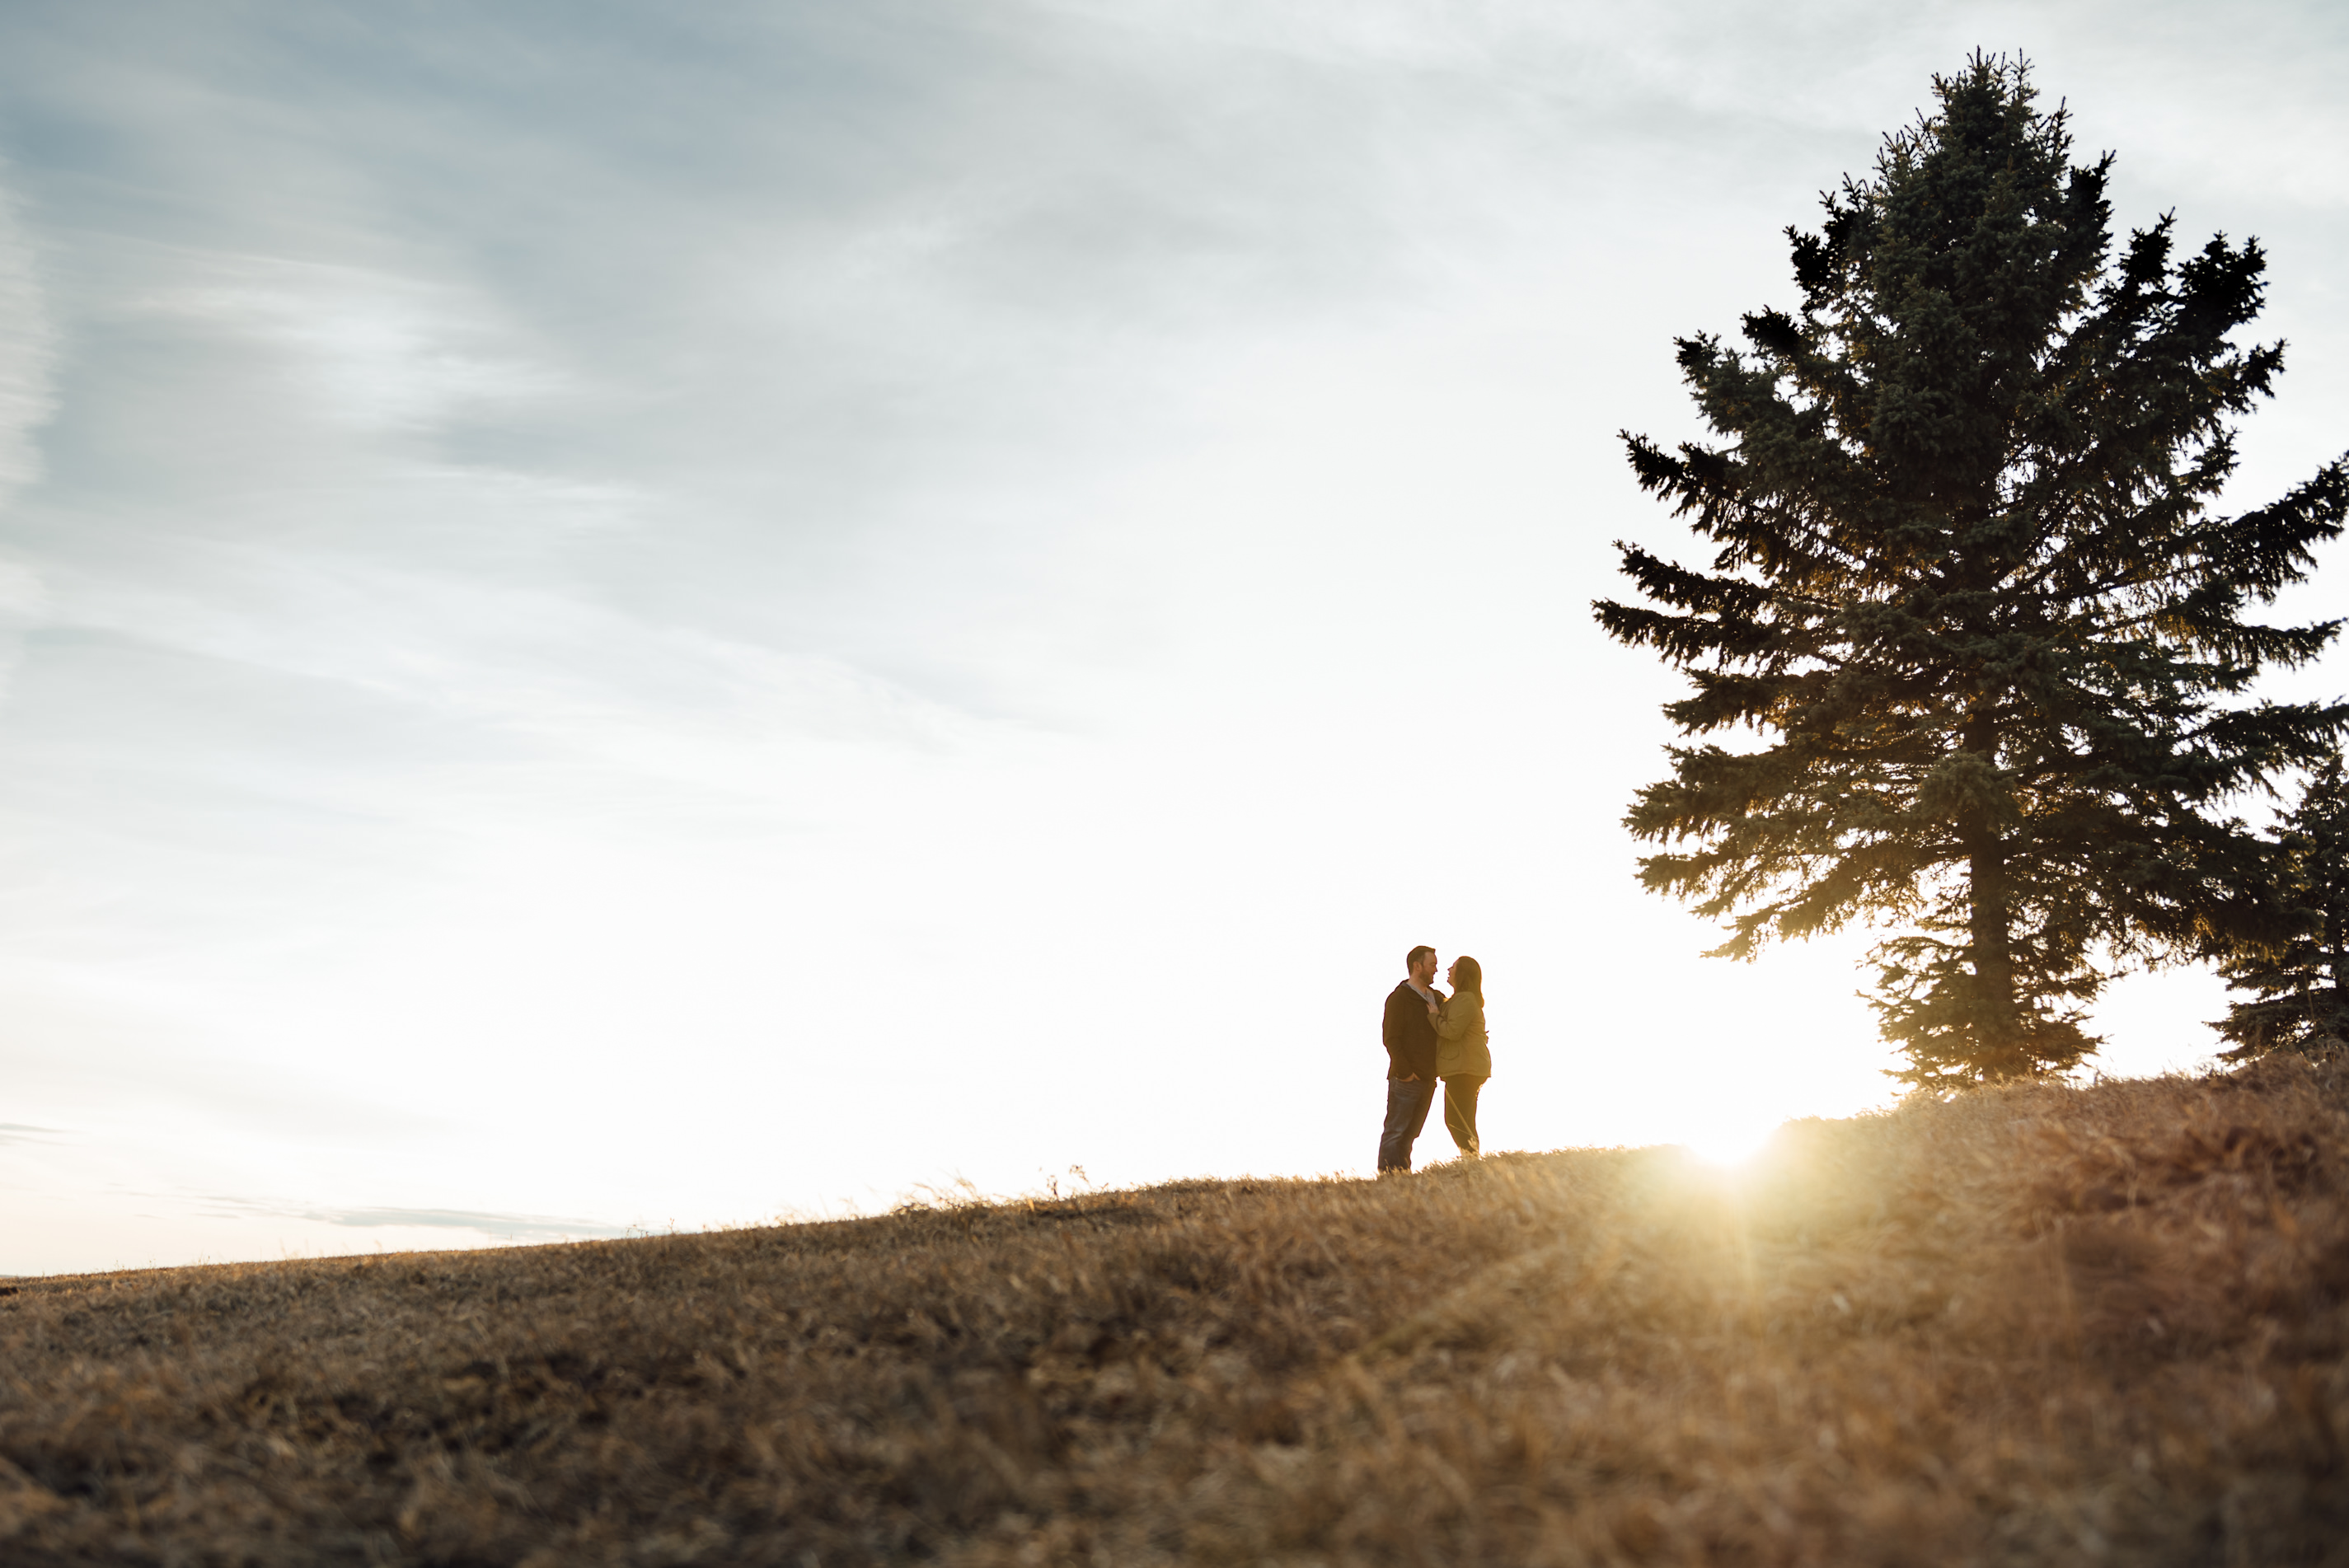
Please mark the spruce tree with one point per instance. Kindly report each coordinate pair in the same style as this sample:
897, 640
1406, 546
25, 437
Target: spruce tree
1969, 617
2300, 989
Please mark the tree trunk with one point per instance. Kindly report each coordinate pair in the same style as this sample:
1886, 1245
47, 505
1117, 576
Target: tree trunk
1990, 916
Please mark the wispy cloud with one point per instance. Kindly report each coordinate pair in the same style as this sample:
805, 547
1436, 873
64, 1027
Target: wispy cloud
505, 1227
489, 1226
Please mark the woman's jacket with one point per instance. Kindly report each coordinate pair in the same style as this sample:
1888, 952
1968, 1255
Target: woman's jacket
1460, 1049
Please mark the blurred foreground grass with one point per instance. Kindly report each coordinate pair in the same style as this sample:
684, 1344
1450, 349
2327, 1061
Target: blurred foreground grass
2035, 1324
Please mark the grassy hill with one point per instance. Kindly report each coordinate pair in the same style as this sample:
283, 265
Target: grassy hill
2036, 1324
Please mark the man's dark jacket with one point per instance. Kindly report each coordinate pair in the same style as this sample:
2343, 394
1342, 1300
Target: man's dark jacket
1410, 1038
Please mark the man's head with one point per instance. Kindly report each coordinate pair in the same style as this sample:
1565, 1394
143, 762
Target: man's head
1421, 961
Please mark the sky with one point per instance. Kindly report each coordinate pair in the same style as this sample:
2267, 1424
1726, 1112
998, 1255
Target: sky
620, 618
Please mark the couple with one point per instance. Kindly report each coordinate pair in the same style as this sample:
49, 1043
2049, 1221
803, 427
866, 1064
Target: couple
1429, 1036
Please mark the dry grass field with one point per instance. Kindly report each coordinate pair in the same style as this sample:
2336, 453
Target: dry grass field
2036, 1324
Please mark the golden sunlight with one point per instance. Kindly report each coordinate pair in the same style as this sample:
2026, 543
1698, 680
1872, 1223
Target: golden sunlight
1731, 1137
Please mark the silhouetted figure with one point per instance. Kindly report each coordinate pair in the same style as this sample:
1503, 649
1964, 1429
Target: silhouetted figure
1464, 1056
1409, 1033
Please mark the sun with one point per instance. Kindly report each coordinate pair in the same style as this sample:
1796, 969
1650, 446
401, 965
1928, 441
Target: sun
1730, 1140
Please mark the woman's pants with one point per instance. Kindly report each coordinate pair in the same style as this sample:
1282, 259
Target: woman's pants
1460, 1092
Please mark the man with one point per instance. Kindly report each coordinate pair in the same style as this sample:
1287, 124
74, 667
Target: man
1411, 1059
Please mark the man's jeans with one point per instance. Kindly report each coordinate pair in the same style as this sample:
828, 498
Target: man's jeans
1407, 1106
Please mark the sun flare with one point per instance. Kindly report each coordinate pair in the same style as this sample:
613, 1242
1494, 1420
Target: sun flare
1730, 1140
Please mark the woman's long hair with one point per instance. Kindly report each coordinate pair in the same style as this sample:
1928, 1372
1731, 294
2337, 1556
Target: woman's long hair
1467, 975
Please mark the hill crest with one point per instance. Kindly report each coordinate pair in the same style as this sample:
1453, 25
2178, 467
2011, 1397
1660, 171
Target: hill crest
2025, 1325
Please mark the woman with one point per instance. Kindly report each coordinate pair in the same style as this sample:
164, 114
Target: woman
1464, 1058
